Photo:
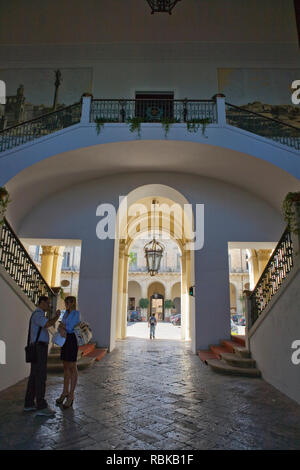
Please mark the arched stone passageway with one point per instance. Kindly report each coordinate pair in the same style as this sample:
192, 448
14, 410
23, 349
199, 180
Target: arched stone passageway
72, 215
157, 297
135, 220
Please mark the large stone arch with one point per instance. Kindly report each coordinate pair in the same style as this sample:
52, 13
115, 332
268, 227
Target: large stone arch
125, 228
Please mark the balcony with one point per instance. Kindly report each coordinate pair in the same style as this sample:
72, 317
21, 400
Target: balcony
154, 110
174, 127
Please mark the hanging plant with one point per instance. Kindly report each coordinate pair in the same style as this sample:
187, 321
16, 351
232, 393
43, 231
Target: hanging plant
166, 124
132, 258
289, 211
135, 125
4, 201
193, 125
99, 121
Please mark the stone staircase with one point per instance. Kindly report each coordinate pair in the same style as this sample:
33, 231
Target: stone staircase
230, 357
87, 355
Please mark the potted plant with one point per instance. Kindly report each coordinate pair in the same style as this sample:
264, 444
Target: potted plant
168, 304
290, 205
4, 201
144, 303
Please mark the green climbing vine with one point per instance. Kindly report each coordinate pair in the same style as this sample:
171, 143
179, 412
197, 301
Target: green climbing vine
193, 125
167, 124
99, 121
135, 125
4, 201
289, 211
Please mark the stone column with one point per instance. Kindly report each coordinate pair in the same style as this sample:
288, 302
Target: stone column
124, 297
85, 110
254, 269
221, 109
184, 296
57, 263
47, 263
120, 291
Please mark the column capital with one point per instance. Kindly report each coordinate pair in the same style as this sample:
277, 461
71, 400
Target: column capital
48, 250
264, 253
59, 250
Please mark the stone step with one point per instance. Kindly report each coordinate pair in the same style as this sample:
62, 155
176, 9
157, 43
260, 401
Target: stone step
83, 363
239, 339
87, 348
224, 368
237, 361
242, 352
206, 354
230, 345
97, 353
54, 350
218, 350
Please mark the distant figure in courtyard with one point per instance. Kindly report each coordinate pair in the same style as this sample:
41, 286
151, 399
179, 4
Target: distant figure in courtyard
69, 352
38, 333
152, 323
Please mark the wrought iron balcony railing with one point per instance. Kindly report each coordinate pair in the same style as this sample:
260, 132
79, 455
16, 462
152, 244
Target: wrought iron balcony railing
262, 125
18, 264
195, 113
153, 110
40, 126
277, 269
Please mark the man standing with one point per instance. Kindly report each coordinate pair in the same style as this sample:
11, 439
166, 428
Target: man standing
38, 333
152, 323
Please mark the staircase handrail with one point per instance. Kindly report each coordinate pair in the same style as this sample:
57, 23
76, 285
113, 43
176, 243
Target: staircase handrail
12, 256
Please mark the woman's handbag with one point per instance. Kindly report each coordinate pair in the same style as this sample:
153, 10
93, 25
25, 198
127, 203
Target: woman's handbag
83, 333
30, 349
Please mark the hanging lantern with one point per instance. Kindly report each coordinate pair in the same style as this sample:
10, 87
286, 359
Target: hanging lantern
153, 251
153, 254
162, 6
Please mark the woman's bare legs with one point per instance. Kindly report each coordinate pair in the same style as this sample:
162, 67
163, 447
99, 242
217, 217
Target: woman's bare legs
74, 377
67, 378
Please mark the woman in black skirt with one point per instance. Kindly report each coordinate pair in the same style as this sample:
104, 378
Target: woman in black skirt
69, 352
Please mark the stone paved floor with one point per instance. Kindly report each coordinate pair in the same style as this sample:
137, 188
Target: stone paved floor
155, 395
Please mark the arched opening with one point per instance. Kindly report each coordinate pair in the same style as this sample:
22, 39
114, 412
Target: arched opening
134, 221
134, 295
156, 295
176, 298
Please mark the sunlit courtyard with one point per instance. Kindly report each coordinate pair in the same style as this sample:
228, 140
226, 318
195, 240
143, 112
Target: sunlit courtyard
163, 330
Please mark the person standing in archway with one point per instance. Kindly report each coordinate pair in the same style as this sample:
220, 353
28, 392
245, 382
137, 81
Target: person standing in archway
152, 323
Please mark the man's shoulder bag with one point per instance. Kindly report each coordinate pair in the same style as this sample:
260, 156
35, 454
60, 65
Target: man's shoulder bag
30, 349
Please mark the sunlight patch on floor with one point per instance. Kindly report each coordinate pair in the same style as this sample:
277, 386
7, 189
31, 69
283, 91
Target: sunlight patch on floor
163, 331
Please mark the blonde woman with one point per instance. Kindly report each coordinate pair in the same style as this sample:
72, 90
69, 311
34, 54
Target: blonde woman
69, 352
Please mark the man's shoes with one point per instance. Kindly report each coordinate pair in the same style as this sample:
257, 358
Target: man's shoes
30, 408
45, 412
